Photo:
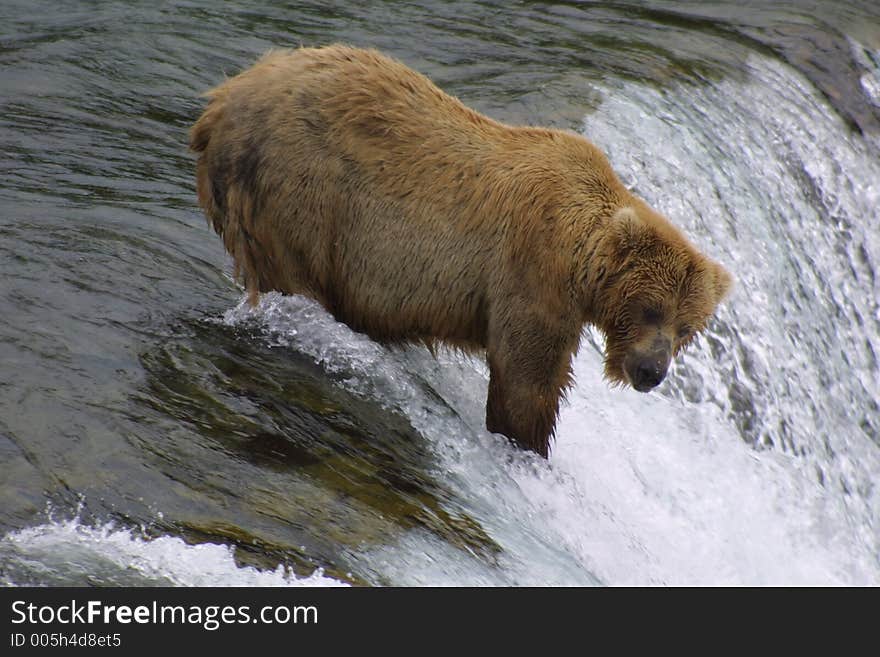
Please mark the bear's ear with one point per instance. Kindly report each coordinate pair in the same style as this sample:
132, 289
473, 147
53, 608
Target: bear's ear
626, 226
722, 281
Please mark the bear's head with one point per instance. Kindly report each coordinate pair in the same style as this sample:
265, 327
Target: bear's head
657, 293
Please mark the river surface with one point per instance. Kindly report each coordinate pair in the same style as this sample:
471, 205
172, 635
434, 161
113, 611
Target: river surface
154, 430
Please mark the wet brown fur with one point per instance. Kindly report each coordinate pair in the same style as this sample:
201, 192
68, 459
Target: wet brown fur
341, 174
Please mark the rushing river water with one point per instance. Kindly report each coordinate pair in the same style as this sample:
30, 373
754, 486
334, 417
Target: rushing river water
154, 430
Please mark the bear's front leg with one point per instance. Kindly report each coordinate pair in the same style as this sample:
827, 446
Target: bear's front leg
526, 416
525, 388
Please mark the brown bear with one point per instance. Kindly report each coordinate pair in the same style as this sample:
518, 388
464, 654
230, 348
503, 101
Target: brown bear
342, 174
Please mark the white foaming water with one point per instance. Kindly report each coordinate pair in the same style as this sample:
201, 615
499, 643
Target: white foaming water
770, 180
754, 462
68, 553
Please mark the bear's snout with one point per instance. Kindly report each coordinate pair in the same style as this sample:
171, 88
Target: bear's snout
647, 371
649, 374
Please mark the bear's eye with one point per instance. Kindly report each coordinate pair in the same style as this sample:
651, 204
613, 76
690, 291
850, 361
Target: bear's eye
652, 316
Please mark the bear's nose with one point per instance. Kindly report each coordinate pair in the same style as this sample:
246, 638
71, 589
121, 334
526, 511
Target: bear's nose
649, 374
